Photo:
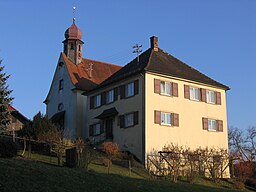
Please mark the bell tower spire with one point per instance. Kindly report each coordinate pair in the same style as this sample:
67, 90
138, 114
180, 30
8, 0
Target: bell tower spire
73, 42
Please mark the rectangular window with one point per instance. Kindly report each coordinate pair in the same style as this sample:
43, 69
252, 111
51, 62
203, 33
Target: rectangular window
129, 90
165, 88
212, 125
110, 96
210, 96
97, 100
194, 93
166, 118
129, 120
95, 129
61, 84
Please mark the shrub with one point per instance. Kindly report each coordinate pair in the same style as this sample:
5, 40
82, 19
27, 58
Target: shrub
239, 185
251, 182
8, 149
112, 150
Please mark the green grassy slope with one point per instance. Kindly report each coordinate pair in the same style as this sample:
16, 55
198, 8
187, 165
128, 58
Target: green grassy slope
26, 175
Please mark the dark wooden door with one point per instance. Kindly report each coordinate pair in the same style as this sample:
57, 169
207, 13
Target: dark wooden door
109, 129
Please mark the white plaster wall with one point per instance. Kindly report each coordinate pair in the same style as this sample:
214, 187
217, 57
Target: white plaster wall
128, 139
65, 96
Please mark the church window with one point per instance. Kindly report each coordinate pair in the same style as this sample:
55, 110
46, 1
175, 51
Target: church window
60, 107
61, 84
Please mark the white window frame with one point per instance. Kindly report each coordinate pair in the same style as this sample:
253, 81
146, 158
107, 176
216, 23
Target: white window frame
129, 91
212, 125
129, 120
97, 100
194, 93
166, 118
96, 129
166, 88
110, 96
210, 96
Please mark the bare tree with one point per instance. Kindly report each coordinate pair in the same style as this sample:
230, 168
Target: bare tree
57, 141
242, 152
175, 157
85, 153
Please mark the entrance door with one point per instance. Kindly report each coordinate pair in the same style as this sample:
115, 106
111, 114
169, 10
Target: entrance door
109, 128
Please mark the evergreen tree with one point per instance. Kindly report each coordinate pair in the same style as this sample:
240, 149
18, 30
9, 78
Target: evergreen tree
5, 99
38, 126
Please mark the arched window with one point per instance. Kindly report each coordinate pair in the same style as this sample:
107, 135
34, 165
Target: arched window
72, 46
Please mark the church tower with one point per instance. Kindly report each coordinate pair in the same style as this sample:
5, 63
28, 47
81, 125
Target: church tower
73, 43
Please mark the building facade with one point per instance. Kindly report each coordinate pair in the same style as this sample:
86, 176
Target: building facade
157, 101
74, 75
142, 106
17, 121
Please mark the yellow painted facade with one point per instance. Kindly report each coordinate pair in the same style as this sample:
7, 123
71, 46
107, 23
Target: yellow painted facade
147, 136
189, 132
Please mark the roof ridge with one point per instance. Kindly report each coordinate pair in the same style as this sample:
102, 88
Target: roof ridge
103, 62
150, 56
189, 66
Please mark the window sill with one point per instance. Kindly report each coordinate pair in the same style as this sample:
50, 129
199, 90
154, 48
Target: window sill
127, 127
164, 94
97, 107
194, 99
127, 97
211, 130
211, 103
109, 103
166, 125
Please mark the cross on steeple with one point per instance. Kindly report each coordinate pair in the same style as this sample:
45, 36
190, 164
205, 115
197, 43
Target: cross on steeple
74, 14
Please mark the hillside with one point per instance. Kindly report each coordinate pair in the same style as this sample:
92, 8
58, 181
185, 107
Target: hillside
27, 175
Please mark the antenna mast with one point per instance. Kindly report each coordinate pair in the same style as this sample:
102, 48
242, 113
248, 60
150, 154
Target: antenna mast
137, 50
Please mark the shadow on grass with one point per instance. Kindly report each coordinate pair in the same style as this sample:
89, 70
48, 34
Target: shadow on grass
25, 175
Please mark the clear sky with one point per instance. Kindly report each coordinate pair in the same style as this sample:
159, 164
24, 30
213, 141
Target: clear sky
216, 37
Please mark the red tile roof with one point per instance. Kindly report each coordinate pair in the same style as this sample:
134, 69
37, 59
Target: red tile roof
11, 108
73, 32
79, 74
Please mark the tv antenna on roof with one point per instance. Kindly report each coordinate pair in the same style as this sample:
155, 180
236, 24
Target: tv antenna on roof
137, 50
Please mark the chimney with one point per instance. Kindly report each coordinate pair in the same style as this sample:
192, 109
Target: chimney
154, 43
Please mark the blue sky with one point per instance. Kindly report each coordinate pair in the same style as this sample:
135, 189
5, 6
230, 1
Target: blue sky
216, 37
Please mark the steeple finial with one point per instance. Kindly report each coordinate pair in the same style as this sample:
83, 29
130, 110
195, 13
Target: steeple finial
74, 14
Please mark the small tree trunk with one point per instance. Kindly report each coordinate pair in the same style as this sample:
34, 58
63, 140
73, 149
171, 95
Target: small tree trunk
130, 168
24, 147
109, 165
29, 149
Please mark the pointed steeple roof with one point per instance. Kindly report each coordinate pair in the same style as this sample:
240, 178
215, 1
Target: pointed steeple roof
73, 32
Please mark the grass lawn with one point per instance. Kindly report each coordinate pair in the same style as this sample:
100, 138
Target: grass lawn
20, 174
